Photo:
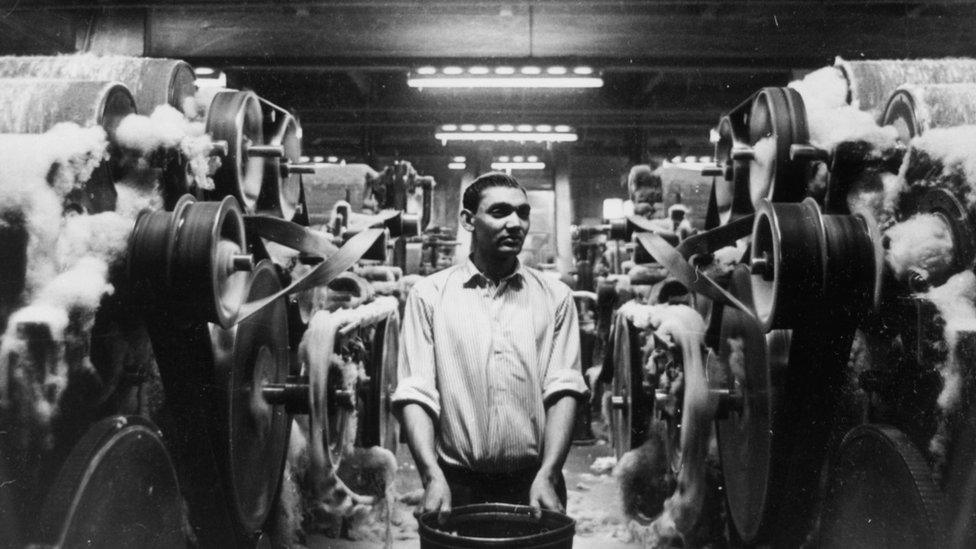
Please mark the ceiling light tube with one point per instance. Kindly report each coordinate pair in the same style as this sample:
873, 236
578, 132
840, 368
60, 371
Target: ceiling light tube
540, 137
480, 76
457, 166
518, 165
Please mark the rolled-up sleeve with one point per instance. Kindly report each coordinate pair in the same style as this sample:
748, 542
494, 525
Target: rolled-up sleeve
416, 374
563, 373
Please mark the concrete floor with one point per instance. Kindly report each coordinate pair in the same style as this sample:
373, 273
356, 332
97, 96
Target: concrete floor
593, 502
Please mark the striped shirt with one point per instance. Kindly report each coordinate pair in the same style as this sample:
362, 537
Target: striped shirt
484, 359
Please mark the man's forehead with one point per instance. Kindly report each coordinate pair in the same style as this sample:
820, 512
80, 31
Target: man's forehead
502, 195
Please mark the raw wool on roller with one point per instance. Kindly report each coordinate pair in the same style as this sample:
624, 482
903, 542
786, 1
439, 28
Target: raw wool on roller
65, 156
829, 127
872, 82
157, 138
943, 105
956, 302
942, 158
824, 88
922, 241
133, 198
104, 236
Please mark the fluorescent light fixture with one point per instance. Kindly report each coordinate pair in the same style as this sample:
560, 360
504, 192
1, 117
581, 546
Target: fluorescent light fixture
333, 159
532, 158
459, 159
303, 159
449, 127
203, 71
518, 165
480, 76
468, 127
562, 128
517, 159
486, 127
524, 127
503, 159
704, 159
506, 128
457, 166
318, 159
536, 137
543, 128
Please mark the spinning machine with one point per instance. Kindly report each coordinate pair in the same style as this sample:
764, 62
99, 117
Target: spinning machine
839, 380
231, 345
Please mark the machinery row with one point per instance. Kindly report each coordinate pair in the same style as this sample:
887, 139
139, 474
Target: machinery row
175, 291
835, 287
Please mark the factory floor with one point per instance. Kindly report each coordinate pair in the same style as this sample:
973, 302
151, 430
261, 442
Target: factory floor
594, 502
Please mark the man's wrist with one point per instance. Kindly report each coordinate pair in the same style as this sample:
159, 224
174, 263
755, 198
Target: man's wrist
430, 473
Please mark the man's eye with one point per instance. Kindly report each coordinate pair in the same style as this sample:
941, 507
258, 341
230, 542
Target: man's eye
523, 211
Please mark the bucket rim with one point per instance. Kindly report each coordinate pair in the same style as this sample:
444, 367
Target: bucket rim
566, 530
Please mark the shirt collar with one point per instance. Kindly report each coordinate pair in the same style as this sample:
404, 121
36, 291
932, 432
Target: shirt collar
474, 278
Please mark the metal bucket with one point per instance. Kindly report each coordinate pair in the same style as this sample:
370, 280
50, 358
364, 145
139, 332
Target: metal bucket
497, 525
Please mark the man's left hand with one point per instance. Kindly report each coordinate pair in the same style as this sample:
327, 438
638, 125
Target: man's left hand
542, 493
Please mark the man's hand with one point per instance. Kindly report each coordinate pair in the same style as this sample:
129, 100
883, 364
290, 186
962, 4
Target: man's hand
542, 493
437, 498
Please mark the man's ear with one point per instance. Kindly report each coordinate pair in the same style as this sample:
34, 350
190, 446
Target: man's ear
467, 220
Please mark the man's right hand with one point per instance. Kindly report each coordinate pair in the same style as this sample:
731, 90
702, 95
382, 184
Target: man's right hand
437, 498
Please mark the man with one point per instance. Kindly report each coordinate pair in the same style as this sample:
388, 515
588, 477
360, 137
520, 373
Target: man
490, 367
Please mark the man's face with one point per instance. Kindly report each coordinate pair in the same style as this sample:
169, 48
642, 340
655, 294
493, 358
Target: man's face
499, 226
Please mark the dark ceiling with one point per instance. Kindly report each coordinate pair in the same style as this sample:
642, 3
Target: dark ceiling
670, 68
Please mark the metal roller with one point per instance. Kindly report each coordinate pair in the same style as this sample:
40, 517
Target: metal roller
35, 106
776, 395
880, 493
251, 436
116, 489
777, 121
871, 82
730, 192
235, 118
806, 265
282, 177
914, 109
152, 81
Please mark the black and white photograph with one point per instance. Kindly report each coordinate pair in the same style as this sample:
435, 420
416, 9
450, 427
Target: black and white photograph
481, 274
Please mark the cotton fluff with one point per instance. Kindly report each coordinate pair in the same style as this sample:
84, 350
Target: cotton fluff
824, 88
923, 241
955, 301
944, 157
103, 236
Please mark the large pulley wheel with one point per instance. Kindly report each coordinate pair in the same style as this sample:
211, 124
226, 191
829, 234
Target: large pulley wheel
730, 193
777, 121
881, 493
751, 362
773, 442
251, 436
205, 268
630, 408
281, 191
117, 489
806, 265
235, 117
380, 427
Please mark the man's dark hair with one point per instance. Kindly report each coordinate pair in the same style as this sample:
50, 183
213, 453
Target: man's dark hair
472, 194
